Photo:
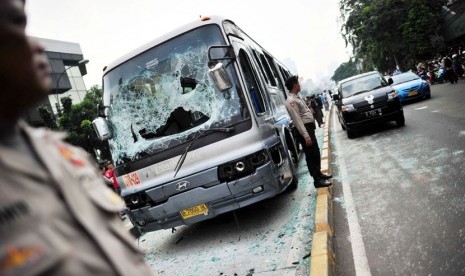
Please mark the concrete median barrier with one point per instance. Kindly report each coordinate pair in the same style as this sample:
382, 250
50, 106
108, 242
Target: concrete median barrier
323, 257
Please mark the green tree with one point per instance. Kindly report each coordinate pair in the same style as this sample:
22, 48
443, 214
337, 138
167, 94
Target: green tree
345, 70
47, 117
386, 33
76, 120
425, 18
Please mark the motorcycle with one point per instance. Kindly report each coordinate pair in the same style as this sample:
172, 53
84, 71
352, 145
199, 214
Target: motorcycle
439, 75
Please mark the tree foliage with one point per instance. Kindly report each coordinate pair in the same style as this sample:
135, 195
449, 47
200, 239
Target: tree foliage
47, 117
386, 33
345, 70
76, 121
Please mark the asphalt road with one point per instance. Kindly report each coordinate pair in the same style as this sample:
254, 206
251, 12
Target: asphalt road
399, 193
272, 237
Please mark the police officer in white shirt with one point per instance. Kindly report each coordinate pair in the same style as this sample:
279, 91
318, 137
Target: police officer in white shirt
57, 217
302, 117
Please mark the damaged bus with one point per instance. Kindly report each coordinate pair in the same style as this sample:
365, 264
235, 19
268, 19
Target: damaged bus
197, 125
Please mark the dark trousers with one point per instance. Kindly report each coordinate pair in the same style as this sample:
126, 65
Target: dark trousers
312, 153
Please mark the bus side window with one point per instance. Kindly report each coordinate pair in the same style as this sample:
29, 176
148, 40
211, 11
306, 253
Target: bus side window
283, 73
260, 65
251, 82
268, 72
275, 71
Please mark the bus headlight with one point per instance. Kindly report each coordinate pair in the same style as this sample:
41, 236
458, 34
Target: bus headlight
242, 167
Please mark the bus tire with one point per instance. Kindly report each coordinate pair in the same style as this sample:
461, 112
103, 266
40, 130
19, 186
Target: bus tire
293, 157
295, 183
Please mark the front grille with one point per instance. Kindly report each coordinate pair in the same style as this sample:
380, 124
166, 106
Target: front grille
413, 88
372, 106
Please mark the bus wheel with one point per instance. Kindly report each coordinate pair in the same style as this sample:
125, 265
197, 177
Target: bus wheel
295, 183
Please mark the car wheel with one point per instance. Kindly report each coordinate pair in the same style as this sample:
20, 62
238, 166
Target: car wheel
428, 96
350, 133
400, 121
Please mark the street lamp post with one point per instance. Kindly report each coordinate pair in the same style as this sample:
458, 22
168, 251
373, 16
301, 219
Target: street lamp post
57, 104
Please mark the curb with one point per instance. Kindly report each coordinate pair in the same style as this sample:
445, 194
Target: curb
323, 261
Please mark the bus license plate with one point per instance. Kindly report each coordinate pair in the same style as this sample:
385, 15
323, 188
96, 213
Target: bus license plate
200, 209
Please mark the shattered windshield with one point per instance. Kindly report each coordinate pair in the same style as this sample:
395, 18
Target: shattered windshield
164, 96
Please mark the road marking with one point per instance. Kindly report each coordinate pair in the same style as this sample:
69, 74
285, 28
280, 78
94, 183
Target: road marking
423, 107
362, 267
462, 133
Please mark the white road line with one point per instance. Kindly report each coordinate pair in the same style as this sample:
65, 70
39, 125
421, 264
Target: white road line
358, 247
423, 107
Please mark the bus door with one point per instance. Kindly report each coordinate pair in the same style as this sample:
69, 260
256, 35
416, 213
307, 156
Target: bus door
254, 88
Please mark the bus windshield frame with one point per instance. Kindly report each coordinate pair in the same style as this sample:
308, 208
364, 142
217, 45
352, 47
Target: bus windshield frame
164, 97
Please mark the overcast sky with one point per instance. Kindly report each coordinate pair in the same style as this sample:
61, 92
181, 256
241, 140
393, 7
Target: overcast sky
303, 31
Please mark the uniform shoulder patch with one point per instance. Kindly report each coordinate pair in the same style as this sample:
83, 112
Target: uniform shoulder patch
18, 259
66, 152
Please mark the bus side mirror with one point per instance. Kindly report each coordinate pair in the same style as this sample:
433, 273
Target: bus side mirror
221, 52
102, 129
102, 110
219, 75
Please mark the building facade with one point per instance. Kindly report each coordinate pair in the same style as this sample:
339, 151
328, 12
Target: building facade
67, 77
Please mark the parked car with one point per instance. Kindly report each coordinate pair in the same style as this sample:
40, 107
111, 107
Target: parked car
410, 86
367, 99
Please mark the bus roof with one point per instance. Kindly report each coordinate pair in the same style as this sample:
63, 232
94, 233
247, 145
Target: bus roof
187, 27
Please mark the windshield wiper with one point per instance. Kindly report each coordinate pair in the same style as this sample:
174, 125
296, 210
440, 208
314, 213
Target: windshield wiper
359, 92
134, 137
186, 150
363, 91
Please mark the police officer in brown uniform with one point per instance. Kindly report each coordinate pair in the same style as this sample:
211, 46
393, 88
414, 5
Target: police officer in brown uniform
57, 217
303, 119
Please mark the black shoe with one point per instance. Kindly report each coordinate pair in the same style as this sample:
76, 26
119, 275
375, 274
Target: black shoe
321, 183
325, 176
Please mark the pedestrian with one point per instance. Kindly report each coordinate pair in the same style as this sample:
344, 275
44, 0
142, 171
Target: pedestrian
457, 66
327, 98
110, 174
449, 73
56, 215
304, 121
103, 170
324, 101
315, 107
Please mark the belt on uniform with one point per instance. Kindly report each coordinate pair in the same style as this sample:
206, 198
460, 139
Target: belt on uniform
310, 125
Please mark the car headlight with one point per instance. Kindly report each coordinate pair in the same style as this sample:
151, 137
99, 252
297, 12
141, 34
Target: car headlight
424, 84
392, 95
348, 107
